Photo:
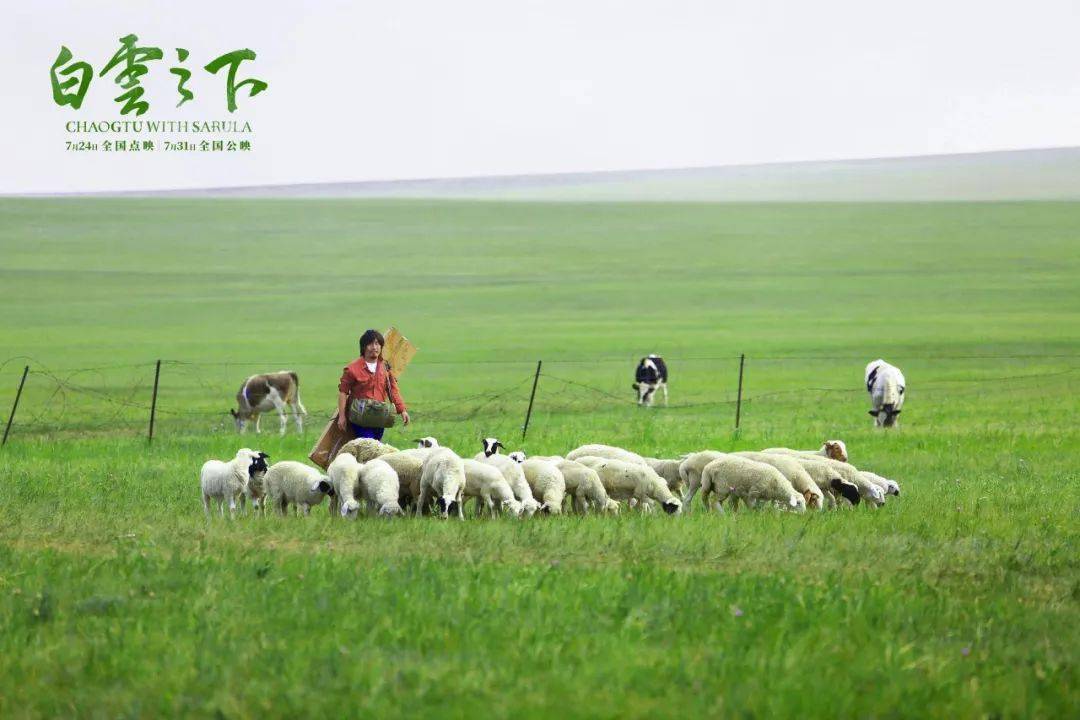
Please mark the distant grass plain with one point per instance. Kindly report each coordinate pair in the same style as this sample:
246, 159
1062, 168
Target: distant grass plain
958, 599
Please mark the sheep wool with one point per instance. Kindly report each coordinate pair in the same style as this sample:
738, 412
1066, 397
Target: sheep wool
740, 478
633, 482
296, 484
690, 471
605, 451
829, 481
344, 474
364, 449
795, 473
669, 470
442, 480
487, 485
583, 486
868, 491
408, 464
547, 484
231, 481
891, 487
379, 486
515, 477
832, 449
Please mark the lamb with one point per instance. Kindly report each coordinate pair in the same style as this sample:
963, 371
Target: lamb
867, 490
886, 386
344, 474
515, 477
426, 442
409, 465
669, 470
293, 483
632, 481
379, 488
606, 451
364, 449
485, 483
491, 446
795, 473
740, 478
829, 481
891, 487
231, 480
442, 479
833, 449
547, 484
517, 456
583, 486
690, 472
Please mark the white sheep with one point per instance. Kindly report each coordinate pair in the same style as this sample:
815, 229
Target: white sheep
484, 482
833, 449
669, 470
442, 480
344, 474
491, 446
231, 480
515, 477
740, 478
831, 483
868, 491
409, 465
887, 387
426, 442
583, 486
297, 484
379, 487
891, 486
605, 451
364, 449
547, 484
795, 473
633, 481
690, 470
517, 456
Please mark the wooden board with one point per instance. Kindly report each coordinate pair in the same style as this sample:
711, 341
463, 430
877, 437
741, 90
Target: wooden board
398, 351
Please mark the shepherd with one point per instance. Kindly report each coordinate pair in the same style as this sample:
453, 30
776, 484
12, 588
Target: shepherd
366, 391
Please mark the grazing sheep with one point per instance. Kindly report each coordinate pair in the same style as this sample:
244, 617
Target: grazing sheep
517, 456
364, 449
426, 442
491, 446
886, 386
606, 451
231, 480
409, 465
891, 486
547, 484
583, 486
379, 487
344, 474
669, 470
832, 449
632, 481
831, 483
515, 477
795, 473
868, 491
740, 478
690, 472
484, 482
293, 483
442, 479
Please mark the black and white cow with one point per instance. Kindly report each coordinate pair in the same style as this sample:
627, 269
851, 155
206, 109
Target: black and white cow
886, 386
269, 391
650, 376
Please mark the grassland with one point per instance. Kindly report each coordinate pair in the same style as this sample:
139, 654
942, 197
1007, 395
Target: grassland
960, 599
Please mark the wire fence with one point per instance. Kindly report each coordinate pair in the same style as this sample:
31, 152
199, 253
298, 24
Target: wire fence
196, 397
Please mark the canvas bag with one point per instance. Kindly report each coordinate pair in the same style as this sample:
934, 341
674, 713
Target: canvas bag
369, 413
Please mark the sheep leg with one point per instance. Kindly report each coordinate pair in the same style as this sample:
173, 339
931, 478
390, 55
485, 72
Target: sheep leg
693, 485
421, 503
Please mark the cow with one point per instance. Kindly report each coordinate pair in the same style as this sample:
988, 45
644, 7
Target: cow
269, 391
650, 376
886, 386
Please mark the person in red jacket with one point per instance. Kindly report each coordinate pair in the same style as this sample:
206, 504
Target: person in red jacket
366, 379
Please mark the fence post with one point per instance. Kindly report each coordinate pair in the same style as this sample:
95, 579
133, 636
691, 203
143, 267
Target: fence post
153, 402
528, 413
15, 406
738, 402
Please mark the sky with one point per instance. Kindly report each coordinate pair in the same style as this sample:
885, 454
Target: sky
420, 89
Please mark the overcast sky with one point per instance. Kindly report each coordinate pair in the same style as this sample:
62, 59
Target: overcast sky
362, 90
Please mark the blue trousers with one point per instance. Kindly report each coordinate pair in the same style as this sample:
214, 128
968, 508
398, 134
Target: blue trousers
363, 432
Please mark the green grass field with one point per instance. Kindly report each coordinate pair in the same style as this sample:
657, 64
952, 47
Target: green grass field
958, 599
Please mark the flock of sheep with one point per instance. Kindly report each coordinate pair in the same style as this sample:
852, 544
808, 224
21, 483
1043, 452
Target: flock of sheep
592, 478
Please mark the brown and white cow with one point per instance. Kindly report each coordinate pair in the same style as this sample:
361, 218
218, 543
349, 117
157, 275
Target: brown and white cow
269, 391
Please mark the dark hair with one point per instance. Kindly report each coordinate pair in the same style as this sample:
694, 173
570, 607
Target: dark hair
369, 337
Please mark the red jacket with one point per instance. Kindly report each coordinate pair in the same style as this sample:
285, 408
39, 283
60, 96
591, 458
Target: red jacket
359, 383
